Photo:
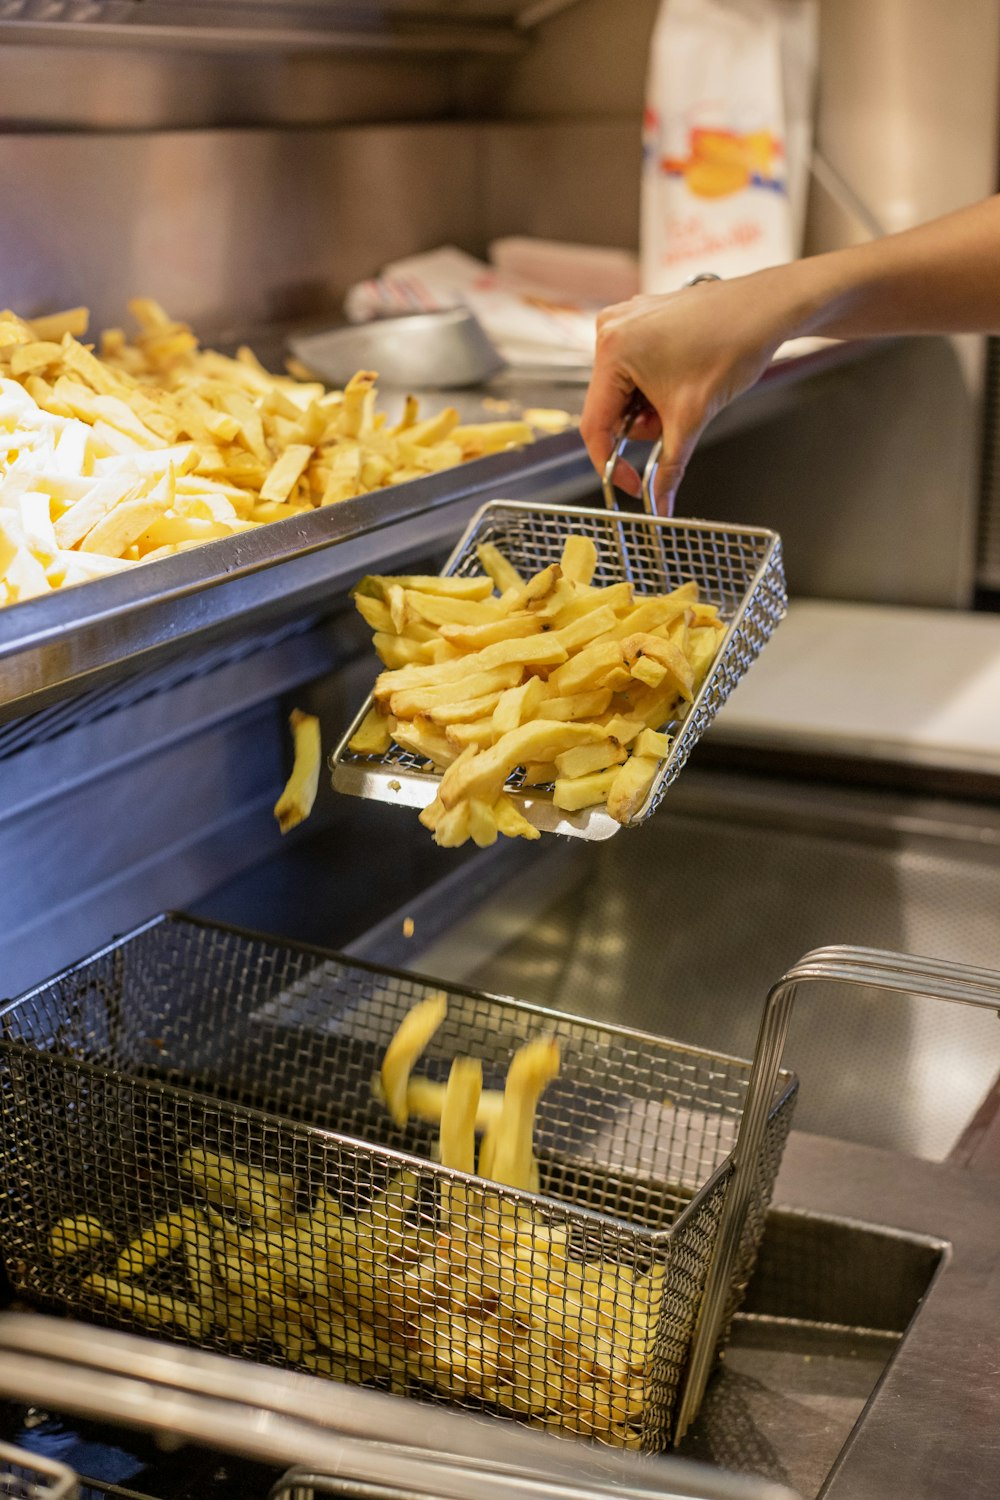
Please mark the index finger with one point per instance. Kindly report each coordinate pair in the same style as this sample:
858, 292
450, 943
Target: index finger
608, 396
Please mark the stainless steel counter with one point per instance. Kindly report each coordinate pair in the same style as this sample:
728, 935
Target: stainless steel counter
76, 638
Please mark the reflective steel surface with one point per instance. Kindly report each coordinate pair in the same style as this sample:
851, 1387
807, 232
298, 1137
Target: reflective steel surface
681, 927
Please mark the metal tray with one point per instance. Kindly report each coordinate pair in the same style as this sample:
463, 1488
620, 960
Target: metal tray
74, 638
737, 568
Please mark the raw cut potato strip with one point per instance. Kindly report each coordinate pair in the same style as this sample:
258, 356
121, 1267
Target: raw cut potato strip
252, 447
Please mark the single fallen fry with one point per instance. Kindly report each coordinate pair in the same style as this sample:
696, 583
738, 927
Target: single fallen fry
412, 1035
296, 801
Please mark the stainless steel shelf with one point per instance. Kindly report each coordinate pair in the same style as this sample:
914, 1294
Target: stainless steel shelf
73, 640
384, 26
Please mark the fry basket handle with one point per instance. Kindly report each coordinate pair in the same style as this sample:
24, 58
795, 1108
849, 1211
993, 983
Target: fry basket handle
863, 968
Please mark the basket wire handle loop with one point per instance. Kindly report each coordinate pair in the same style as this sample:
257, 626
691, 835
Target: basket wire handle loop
863, 968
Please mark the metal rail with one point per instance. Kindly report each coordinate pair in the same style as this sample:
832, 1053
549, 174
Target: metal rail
284, 1418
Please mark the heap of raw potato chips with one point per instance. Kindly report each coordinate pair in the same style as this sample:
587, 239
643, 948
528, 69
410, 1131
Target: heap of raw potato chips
149, 447
568, 681
466, 1292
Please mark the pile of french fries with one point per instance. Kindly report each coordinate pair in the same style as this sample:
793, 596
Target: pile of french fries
149, 447
445, 1285
569, 682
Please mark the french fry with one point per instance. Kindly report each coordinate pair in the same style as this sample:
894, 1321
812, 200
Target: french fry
517, 705
76, 1236
268, 1198
475, 637
410, 1040
429, 583
664, 652
478, 733
579, 559
630, 787
532, 1068
617, 596
583, 760
440, 609
650, 742
372, 736
152, 1246
296, 801
426, 740
646, 670
459, 1113
503, 573
411, 702
574, 793
540, 773
484, 775
576, 705
467, 710
511, 822
587, 670
425, 1101
151, 1308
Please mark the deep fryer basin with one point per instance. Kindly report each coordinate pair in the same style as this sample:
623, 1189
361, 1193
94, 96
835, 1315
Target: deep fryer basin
827, 1312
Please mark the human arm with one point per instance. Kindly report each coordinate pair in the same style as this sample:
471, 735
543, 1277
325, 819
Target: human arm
691, 352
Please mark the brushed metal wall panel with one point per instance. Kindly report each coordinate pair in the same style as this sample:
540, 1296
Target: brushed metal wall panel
100, 88
565, 180
226, 226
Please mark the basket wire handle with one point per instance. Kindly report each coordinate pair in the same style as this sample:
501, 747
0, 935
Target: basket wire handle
48, 1480
863, 968
636, 406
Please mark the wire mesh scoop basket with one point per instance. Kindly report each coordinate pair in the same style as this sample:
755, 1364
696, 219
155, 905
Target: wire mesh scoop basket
192, 1146
739, 569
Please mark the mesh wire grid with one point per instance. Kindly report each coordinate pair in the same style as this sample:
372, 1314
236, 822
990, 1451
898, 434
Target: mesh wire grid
27, 1476
738, 570
218, 1085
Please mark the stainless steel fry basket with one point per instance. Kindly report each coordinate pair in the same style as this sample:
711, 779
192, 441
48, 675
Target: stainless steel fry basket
191, 1143
739, 569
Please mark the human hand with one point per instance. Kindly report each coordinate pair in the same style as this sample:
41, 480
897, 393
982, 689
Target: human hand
689, 353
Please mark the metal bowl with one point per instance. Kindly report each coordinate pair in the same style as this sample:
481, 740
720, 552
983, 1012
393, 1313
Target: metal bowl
436, 350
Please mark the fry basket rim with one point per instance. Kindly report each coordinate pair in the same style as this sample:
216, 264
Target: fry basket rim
546, 1203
